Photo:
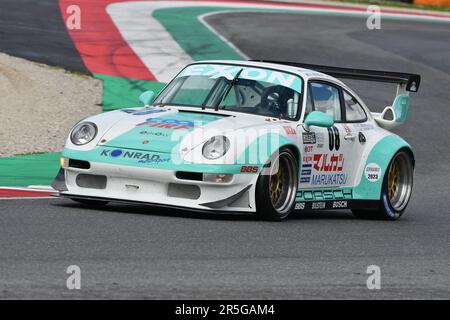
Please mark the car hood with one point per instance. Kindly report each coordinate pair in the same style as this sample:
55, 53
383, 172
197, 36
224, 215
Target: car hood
162, 129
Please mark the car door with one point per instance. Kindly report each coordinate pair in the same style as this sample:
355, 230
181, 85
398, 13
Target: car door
357, 131
326, 159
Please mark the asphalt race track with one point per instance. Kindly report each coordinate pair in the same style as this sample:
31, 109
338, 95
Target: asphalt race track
144, 252
34, 30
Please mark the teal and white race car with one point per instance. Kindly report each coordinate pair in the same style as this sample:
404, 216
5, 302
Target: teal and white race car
248, 136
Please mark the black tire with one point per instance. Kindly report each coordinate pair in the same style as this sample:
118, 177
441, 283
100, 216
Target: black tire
393, 200
288, 173
90, 203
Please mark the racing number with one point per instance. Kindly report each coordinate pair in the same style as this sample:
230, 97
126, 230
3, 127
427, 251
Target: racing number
333, 138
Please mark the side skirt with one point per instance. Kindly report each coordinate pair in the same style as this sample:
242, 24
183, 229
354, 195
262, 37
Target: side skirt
337, 204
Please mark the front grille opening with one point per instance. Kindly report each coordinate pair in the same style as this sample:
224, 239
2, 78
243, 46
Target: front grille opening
91, 181
184, 175
186, 191
79, 164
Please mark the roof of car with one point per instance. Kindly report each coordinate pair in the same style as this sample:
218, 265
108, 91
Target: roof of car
304, 73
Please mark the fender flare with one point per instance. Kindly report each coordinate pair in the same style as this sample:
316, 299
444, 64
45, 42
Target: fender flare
381, 154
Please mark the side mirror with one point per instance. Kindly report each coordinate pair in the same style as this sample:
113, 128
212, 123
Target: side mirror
147, 97
318, 119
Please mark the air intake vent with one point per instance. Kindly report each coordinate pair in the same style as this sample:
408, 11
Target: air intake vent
184, 175
91, 181
79, 164
186, 191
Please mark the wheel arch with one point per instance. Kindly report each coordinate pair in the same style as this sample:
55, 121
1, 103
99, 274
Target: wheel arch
381, 154
410, 151
264, 206
274, 142
295, 150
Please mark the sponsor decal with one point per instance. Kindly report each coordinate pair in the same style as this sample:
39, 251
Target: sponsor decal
322, 205
334, 163
308, 149
154, 133
327, 194
309, 138
340, 204
143, 112
167, 123
372, 172
154, 159
289, 130
308, 159
306, 170
215, 71
299, 206
305, 174
329, 179
320, 140
318, 205
324, 199
347, 128
249, 169
142, 157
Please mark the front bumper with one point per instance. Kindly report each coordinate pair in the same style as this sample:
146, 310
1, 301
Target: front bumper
156, 186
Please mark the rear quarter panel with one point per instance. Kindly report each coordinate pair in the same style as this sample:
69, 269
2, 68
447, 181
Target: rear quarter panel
380, 154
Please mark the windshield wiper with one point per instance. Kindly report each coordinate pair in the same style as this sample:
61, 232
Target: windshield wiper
231, 85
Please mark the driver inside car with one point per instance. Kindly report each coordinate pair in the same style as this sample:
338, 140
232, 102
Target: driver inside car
278, 101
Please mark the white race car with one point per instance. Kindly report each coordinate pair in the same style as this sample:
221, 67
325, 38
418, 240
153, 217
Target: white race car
248, 136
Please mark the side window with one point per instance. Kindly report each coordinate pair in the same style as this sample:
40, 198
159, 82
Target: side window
353, 110
326, 99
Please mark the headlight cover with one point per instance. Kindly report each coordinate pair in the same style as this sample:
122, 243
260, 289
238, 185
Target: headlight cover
83, 133
216, 147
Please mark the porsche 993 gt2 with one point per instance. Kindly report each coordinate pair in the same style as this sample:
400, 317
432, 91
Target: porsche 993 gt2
262, 137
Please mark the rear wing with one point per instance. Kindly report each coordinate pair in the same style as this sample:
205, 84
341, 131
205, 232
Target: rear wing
391, 116
409, 81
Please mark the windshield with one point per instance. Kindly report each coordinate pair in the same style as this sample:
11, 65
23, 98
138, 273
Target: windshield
236, 88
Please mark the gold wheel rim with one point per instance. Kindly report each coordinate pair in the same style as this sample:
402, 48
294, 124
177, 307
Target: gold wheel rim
276, 186
393, 180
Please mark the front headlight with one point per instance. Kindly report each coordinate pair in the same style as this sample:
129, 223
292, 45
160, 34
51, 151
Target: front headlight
83, 133
216, 147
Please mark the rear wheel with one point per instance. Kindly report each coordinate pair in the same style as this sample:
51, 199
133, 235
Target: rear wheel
276, 190
396, 190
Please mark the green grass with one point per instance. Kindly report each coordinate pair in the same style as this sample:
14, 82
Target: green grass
399, 5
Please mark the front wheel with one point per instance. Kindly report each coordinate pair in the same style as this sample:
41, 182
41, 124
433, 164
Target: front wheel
396, 190
276, 189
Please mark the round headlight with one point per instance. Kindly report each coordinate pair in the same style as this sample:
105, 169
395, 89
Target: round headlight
216, 147
83, 133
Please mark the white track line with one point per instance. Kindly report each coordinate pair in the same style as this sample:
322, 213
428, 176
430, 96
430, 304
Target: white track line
202, 17
34, 188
